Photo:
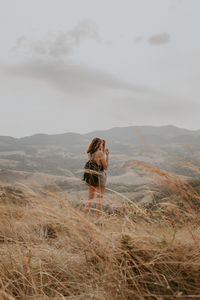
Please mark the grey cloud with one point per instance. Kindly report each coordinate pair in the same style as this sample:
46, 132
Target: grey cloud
139, 39
73, 79
20, 41
154, 40
108, 43
61, 43
159, 39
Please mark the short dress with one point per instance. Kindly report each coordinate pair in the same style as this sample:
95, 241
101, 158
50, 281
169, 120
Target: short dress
103, 175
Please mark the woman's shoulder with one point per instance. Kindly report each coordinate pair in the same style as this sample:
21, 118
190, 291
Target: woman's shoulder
96, 155
99, 153
93, 154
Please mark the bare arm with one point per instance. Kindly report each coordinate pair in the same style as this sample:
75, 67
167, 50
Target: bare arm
102, 159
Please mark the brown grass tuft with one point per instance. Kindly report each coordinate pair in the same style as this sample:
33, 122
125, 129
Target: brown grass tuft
51, 250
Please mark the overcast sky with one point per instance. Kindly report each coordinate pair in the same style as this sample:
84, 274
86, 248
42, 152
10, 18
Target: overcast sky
84, 65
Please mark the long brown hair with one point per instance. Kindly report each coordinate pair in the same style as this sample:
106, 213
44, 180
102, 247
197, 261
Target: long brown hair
94, 145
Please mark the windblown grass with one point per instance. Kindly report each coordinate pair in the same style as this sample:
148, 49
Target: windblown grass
51, 250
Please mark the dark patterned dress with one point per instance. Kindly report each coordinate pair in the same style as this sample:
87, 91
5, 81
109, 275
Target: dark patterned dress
94, 179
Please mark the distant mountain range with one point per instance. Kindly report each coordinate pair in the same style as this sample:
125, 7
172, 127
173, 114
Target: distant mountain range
166, 147
135, 135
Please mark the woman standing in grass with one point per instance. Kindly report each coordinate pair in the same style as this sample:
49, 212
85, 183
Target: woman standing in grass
96, 180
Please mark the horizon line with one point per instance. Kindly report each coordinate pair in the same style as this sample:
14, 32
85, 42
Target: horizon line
72, 132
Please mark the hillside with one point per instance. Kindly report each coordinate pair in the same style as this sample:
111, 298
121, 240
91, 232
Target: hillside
168, 148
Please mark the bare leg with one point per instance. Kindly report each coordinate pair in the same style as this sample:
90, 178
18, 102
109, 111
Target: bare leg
91, 192
100, 193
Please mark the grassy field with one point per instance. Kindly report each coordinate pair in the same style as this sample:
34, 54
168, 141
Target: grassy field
50, 249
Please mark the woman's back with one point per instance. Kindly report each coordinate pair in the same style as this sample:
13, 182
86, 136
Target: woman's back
93, 157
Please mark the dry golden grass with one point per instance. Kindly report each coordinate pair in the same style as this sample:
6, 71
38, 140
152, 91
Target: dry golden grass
51, 250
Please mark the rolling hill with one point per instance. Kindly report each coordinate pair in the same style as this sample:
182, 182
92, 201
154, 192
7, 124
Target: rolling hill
168, 148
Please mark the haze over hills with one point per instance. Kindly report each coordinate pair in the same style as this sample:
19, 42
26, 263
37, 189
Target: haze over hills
166, 147
168, 130
132, 134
